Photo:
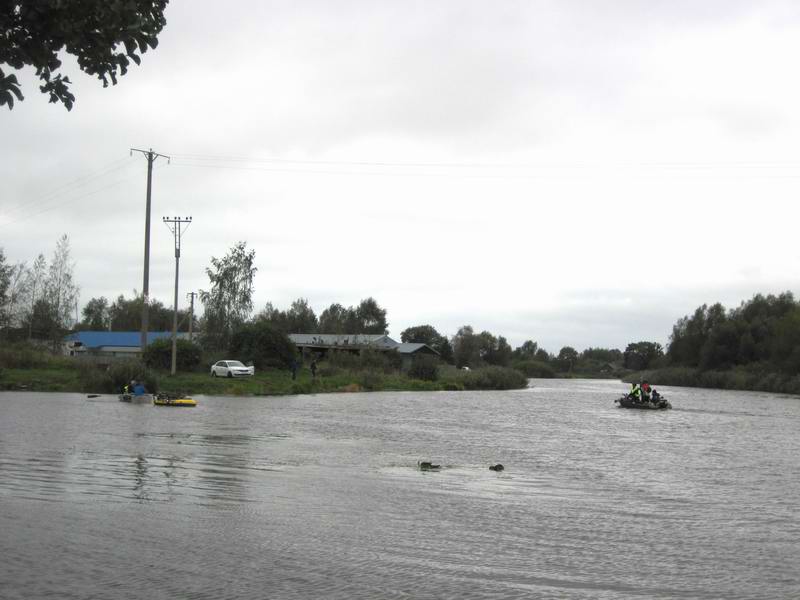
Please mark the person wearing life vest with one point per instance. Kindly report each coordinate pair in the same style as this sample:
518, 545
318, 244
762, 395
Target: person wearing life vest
646, 391
636, 392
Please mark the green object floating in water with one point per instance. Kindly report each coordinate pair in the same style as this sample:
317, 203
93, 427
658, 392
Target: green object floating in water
425, 465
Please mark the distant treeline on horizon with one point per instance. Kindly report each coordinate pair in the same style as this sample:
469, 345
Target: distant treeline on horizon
39, 301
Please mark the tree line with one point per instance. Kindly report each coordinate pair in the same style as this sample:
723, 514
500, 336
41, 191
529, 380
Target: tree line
228, 324
38, 301
43, 297
125, 314
761, 333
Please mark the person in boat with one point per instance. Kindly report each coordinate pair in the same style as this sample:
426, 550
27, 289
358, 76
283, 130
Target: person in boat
138, 389
636, 392
646, 391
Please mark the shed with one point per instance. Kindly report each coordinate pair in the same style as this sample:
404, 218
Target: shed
410, 350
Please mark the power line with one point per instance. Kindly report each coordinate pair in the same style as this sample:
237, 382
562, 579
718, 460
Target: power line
71, 186
588, 171
62, 203
201, 158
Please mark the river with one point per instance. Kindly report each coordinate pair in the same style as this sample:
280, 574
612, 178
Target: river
320, 496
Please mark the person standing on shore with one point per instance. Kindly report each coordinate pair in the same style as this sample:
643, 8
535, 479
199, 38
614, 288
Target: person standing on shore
314, 369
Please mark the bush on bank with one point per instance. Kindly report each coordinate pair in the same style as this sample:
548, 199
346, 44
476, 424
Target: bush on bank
425, 368
24, 355
262, 345
493, 378
534, 368
34, 368
753, 378
158, 355
111, 380
368, 360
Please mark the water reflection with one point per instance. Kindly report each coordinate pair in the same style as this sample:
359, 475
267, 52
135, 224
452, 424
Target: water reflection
140, 477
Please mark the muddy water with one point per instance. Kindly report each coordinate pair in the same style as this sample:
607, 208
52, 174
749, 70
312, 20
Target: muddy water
319, 497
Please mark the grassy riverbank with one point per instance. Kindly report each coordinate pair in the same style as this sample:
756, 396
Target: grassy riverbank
63, 376
742, 378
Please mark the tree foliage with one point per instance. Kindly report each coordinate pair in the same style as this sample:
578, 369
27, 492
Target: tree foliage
367, 318
336, 319
526, 351
158, 354
424, 367
566, 359
14, 293
41, 321
474, 350
96, 315
641, 355
125, 314
371, 318
263, 345
229, 301
104, 36
496, 351
300, 318
36, 277
5, 283
48, 294
608, 355
466, 348
764, 330
60, 288
427, 334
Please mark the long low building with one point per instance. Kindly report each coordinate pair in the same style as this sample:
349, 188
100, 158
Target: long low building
112, 343
322, 343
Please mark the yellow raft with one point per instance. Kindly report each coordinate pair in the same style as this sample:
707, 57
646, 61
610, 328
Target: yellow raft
163, 401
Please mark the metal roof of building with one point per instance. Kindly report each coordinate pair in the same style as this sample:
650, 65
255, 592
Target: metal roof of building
412, 347
358, 340
99, 339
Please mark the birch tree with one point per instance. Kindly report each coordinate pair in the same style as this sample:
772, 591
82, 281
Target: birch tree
16, 295
229, 301
60, 289
35, 282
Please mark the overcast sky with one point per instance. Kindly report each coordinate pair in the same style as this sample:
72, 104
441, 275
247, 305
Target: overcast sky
576, 173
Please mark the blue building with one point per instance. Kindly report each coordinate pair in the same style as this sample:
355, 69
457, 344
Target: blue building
112, 343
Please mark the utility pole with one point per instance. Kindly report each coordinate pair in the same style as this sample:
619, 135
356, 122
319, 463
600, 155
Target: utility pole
174, 225
151, 158
191, 296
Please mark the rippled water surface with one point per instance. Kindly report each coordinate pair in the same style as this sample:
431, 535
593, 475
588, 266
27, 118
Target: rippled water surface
319, 496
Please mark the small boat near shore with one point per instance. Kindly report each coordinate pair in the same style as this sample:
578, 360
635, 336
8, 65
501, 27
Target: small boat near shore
629, 401
171, 400
134, 399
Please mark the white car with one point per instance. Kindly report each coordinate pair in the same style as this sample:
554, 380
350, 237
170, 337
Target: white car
231, 368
